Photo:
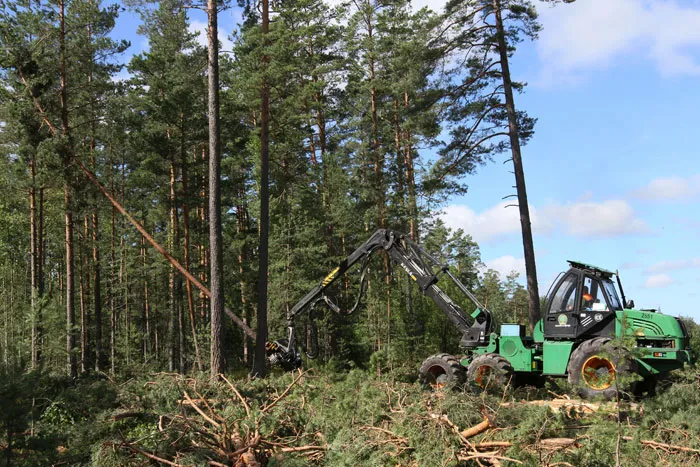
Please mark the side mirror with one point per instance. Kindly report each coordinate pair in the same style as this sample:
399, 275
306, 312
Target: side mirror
629, 304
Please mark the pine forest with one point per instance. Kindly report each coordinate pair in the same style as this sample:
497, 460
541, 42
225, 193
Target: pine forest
164, 211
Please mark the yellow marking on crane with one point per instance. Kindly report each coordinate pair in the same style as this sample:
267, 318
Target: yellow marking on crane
330, 276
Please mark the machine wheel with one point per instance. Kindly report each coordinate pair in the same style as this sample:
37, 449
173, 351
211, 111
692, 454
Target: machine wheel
441, 370
490, 372
595, 368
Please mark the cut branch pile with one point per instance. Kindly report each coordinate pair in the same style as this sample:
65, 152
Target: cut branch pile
310, 420
493, 452
205, 428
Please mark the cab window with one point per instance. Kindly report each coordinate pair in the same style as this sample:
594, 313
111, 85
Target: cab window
565, 296
593, 297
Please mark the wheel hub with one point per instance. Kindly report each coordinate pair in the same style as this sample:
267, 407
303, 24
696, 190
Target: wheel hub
598, 373
438, 376
483, 374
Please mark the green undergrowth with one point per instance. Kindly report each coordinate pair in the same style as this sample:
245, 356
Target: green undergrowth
335, 419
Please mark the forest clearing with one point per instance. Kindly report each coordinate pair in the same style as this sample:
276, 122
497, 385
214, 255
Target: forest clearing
298, 233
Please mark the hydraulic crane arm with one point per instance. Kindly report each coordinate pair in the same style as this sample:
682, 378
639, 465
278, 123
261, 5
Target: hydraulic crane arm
421, 267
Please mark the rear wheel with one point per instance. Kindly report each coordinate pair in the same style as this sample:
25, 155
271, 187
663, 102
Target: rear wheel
490, 372
441, 370
598, 369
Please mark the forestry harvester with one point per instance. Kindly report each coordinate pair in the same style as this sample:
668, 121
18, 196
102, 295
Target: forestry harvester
589, 333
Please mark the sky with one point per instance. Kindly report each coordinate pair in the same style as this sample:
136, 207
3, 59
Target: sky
613, 170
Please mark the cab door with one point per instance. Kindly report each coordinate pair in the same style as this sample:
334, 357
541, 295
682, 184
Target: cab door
562, 319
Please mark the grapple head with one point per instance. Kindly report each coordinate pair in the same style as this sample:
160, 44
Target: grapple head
280, 353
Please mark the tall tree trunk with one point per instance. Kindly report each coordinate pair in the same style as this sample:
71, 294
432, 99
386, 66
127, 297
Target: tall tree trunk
186, 227
72, 368
216, 358
41, 257
528, 247
84, 299
145, 318
378, 157
410, 179
203, 254
97, 291
112, 284
173, 318
96, 267
259, 369
34, 266
241, 230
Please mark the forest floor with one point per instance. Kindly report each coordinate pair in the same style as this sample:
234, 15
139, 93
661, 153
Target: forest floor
319, 417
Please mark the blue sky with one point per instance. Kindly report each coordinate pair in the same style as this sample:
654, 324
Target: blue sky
613, 172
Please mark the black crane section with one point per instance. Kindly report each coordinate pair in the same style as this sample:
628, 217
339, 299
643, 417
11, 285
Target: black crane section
421, 267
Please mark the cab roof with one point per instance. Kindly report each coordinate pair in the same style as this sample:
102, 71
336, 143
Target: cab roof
590, 267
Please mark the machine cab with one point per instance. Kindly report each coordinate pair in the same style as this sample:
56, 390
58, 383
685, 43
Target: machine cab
581, 303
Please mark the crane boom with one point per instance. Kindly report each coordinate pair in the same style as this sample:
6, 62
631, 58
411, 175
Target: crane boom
421, 267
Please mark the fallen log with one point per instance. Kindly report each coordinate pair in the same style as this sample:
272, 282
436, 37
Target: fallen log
572, 407
558, 443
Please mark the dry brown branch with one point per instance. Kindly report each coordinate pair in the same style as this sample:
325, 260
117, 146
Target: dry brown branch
476, 429
656, 444
303, 448
204, 401
153, 456
201, 400
486, 455
238, 394
200, 411
446, 421
268, 407
493, 445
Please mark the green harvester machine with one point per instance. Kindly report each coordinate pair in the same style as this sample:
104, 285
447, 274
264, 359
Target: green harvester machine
589, 332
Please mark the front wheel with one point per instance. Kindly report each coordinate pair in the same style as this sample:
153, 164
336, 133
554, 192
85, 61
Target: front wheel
441, 370
598, 369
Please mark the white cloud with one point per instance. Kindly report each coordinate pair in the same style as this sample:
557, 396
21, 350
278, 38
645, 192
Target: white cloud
668, 188
200, 28
590, 219
585, 219
657, 281
435, 5
664, 266
507, 264
593, 34
496, 222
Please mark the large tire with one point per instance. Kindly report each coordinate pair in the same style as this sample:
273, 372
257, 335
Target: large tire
441, 370
490, 372
597, 369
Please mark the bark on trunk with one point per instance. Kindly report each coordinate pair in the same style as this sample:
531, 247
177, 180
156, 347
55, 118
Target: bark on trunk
71, 362
216, 358
259, 369
528, 247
